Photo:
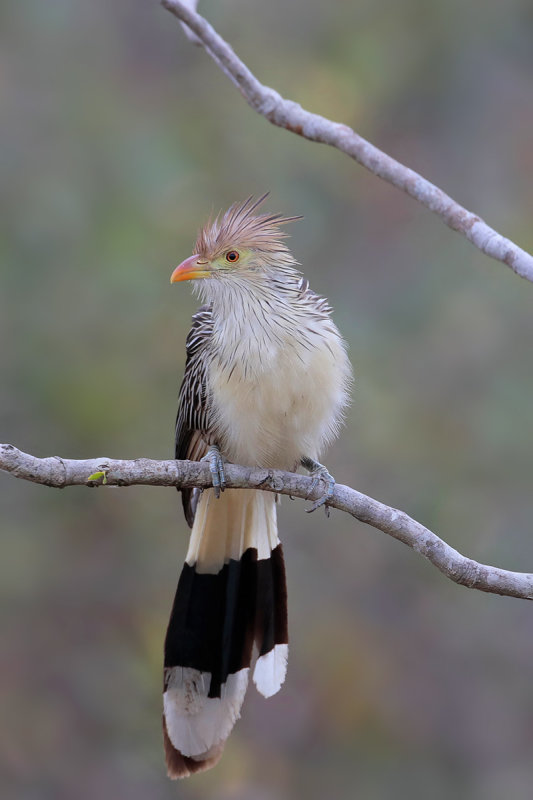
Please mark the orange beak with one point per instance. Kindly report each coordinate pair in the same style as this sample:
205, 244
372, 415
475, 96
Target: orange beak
192, 268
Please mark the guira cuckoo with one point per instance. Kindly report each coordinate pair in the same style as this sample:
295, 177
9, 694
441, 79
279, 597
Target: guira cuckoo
265, 384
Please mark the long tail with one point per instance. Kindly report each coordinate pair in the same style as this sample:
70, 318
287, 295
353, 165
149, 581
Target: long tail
231, 595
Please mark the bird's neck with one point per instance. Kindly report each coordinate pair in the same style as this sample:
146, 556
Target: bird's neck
254, 317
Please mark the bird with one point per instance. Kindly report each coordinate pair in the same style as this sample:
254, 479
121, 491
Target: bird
266, 384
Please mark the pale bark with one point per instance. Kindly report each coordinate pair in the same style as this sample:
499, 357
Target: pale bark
290, 115
61, 472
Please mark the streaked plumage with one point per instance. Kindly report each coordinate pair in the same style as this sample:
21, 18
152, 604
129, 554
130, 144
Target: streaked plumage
265, 381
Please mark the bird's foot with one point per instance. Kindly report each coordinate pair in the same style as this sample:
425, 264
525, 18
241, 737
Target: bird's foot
216, 466
319, 473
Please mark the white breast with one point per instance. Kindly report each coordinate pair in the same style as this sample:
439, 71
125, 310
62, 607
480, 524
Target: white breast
276, 399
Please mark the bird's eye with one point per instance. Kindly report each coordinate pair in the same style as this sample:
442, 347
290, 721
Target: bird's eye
232, 256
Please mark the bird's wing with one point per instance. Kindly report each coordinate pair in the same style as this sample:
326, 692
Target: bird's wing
192, 421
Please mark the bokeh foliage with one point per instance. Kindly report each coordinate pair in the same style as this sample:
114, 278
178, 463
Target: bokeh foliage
117, 139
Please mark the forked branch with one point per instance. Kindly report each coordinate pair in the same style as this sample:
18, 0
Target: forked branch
60, 472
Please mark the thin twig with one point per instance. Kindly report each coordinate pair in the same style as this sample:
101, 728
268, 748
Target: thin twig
60, 472
290, 115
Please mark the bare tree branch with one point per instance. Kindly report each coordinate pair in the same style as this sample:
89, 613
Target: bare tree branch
60, 472
192, 4
290, 115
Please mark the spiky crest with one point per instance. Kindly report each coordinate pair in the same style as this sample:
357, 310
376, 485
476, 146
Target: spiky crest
239, 228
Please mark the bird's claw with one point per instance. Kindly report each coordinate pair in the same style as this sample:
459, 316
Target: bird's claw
319, 473
216, 467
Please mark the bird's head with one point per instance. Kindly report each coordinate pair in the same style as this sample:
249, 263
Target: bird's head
238, 243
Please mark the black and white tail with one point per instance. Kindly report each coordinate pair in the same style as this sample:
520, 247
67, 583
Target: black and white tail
231, 596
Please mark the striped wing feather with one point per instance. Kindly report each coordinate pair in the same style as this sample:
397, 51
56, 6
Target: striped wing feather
192, 421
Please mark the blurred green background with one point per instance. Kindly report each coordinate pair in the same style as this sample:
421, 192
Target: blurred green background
117, 139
